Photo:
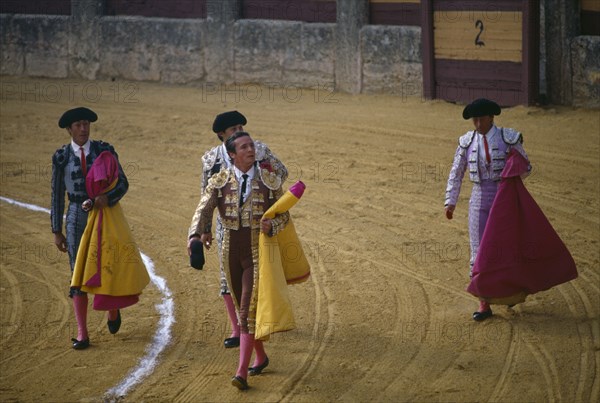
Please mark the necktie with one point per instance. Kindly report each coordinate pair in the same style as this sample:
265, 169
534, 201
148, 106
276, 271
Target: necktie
243, 189
83, 162
487, 149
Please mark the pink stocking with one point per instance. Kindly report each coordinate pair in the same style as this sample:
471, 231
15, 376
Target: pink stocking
112, 314
246, 347
483, 306
235, 327
80, 305
261, 355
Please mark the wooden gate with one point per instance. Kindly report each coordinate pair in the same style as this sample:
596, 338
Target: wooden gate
590, 17
474, 49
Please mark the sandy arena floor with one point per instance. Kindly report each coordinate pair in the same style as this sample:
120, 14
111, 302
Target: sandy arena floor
384, 316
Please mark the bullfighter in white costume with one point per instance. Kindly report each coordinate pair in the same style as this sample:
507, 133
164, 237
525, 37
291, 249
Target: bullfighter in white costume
483, 151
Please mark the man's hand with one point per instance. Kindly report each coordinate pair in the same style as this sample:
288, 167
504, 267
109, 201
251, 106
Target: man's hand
189, 244
101, 201
60, 241
206, 239
266, 225
449, 211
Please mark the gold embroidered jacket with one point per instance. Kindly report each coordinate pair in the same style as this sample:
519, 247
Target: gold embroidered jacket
222, 193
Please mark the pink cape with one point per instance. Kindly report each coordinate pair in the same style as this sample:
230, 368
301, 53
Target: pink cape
520, 253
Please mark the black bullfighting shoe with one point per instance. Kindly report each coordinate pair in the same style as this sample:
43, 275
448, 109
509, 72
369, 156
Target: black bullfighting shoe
114, 325
231, 342
481, 316
239, 383
259, 368
81, 345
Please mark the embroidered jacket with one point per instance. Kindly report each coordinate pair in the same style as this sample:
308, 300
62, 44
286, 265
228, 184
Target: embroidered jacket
222, 193
67, 176
467, 156
215, 159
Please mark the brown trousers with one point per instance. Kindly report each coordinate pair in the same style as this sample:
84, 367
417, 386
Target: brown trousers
241, 271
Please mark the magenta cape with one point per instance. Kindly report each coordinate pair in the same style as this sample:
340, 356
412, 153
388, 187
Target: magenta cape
520, 253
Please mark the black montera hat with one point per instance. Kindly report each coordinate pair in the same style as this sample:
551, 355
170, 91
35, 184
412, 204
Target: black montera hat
197, 256
74, 115
228, 119
481, 107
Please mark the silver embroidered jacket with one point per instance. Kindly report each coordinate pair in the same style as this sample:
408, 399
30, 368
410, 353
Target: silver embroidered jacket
467, 156
67, 176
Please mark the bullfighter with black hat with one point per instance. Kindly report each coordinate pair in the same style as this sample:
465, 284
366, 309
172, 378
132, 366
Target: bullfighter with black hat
214, 161
483, 151
70, 163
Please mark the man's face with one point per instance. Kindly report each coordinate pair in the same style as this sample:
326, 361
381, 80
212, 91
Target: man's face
80, 131
483, 124
230, 131
244, 153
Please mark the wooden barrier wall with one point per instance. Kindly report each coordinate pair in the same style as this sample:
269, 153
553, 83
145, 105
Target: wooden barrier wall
290, 10
157, 8
590, 17
47, 7
479, 49
469, 48
395, 12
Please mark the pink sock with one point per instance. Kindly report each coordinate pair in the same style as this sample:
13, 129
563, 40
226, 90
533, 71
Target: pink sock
112, 314
261, 355
246, 347
483, 306
80, 305
235, 328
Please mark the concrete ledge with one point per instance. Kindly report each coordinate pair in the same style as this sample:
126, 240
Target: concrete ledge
34, 45
224, 50
156, 49
283, 52
391, 58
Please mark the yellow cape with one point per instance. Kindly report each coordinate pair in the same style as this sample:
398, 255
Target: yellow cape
123, 271
281, 260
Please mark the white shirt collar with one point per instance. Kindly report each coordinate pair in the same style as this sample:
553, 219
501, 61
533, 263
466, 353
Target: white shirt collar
238, 173
76, 147
490, 133
491, 141
240, 180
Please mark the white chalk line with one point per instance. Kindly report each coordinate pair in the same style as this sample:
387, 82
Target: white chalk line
162, 337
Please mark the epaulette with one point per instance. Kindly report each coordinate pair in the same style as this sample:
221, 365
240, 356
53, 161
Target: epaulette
61, 156
209, 158
466, 139
268, 176
102, 146
511, 136
260, 150
219, 179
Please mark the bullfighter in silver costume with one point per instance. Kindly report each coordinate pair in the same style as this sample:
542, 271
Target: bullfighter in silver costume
68, 176
485, 168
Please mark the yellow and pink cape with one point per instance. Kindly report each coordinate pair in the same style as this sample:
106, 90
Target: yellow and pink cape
281, 262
